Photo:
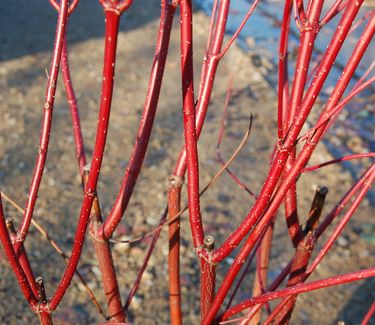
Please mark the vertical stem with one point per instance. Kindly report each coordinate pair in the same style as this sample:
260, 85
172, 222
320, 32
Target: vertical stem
189, 122
261, 275
316, 208
283, 84
369, 314
44, 316
299, 265
174, 199
144, 131
109, 280
72, 102
282, 154
111, 34
160, 57
46, 123
106, 265
210, 64
208, 278
303, 253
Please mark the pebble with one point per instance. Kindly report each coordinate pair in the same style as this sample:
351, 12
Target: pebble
152, 221
122, 248
137, 253
229, 260
342, 242
136, 303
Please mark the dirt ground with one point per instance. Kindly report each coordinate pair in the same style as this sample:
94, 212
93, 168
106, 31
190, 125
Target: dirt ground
25, 51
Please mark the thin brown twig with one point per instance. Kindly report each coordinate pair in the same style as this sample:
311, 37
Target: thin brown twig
209, 184
236, 179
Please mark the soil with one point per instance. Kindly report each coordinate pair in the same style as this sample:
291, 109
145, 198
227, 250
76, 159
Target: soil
25, 51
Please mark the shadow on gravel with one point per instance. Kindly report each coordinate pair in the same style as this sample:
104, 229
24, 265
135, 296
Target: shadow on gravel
28, 27
358, 305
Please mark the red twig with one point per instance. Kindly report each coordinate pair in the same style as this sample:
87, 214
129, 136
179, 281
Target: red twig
327, 117
71, 6
112, 24
73, 105
322, 227
364, 184
301, 288
338, 160
369, 315
161, 51
14, 263
283, 82
189, 122
283, 151
58, 249
209, 69
336, 8
174, 199
239, 29
282, 155
144, 131
46, 123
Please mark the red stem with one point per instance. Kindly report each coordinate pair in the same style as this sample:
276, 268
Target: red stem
306, 47
365, 179
46, 123
207, 80
276, 169
261, 274
283, 83
300, 288
324, 119
73, 105
333, 11
23, 259
166, 20
283, 151
111, 33
322, 227
144, 131
338, 160
174, 203
368, 316
189, 122
106, 265
288, 303
101, 247
14, 262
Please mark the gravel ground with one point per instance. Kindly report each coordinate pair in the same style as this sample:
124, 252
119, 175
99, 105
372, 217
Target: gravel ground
25, 54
